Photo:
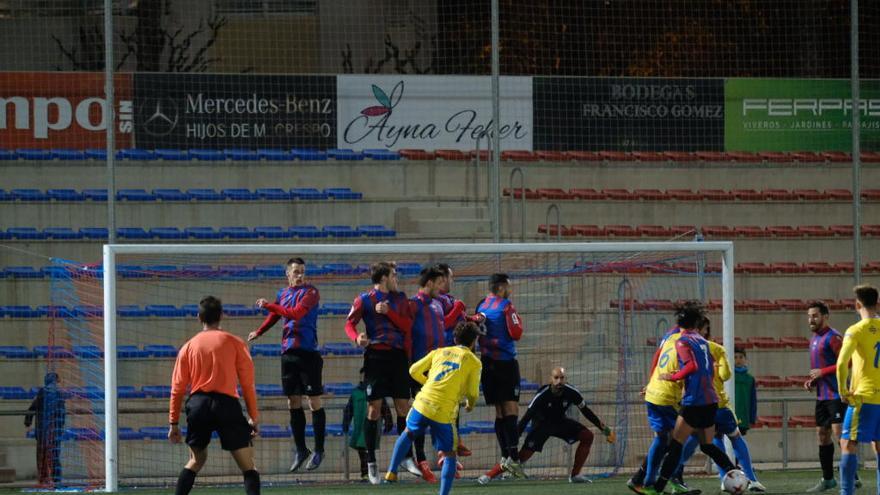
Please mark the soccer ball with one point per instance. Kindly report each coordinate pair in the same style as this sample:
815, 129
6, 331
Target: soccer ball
735, 482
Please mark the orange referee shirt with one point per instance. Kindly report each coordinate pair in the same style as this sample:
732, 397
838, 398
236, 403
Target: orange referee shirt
213, 361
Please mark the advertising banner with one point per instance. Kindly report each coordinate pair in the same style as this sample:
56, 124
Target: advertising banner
47, 110
431, 112
798, 115
628, 114
186, 111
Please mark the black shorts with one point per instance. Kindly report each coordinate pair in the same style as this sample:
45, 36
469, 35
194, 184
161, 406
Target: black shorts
301, 372
830, 412
699, 416
568, 430
500, 380
210, 412
386, 374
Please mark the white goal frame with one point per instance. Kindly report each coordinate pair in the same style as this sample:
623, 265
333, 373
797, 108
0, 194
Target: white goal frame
111, 437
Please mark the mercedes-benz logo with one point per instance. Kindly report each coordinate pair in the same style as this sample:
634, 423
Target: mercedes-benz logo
159, 117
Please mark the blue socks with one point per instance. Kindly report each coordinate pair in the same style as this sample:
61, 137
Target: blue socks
655, 456
848, 465
741, 449
447, 475
401, 447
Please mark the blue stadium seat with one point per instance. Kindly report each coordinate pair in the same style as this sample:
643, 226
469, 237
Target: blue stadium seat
64, 195
154, 432
87, 392
240, 310
29, 195
339, 268
199, 194
62, 233
207, 155
126, 433
242, 155
269, 389
55, 311
239, 194
163, 271
7, 155
198, 271
23, 272
54, 271
67, 154
5, 235
157, 391
266, 350
273, 232
236, 271
136, 154
270, 271
376, 231
34, 154
338, 388
26, 233
342, 193
96, 154
20, 311
88, 311
157, 350
83, 434
172, 154
134, 195
171, 195
308, 154
341, 231
16, 352
481, 426
129, 392
203, 233
409, 268
274, 431
527, 385
345, 154
57, 351
133, 233
308, 193
165, 311
335, 430
238, 233
190, 309
131, 271
341, 349
273, 194
275, 155
168, 233
335, 308
94, 232
14, 393
131, 311
95, 194
307, 232
382, 154
5, 196
315, 270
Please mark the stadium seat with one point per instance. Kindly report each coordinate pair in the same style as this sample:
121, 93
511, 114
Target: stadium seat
484, 155
841, 230
715, 194
29, 195
56, 351
653, 231
308, 154
157, 392
240, 310
744, 157
266, 350
481, 426
814, 231
553, 156
649, 194
621, 231
871, 194
16, 351
821, 267
202, 233
753, 268
335, 308
33, 154
791, 304
588, 230
134, 195
750, 231
341, 349
341, 231
26, 233
7, 155
238, 233
164, 311
160, 351
342, 193
845, 266
718, 231
236, 272
747, 195
451, 155
23, 272
239, 194
275, 155
775, 156
205, 195
786, 267
517, 193
273, 194
136, 154
345, 154
783, 231
870, 230
802, 421
376, 231
765, 343
95, 194
88, 352
519, 156
133, 233
683, 195
771, 381
618, 194
273, 232
795, 343
207, 155
15, 393
168, 233
131, 311
62, 233
586, 194
554, 230
307, 231
872, 267
241, 155
839, 194
617, 156
129, 392
88, 311
339, 388
870, 157
172, 154
806, 157
64, 195
779, 195
810, 194
551, 193
413, 154
408, 268
308, 193
171, 195
379, 154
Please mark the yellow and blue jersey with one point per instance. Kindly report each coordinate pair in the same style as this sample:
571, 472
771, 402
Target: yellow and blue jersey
660, 392
861, 343
722, 373
452, 373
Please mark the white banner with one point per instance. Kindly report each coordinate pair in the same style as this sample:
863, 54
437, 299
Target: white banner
430, 112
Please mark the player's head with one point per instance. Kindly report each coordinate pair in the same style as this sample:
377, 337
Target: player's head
384, 274
689, 314
210, 311
557, 379
466, 333
296, 271
739, 357
499, 285
447, 272
817, 315
50, 378
431, 280
705, 328
866, 297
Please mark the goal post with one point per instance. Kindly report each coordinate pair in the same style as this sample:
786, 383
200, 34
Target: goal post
545, 265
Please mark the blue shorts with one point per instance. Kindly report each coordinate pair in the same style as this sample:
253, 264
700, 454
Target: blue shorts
443, 435
661, 418
862, 423
725, 421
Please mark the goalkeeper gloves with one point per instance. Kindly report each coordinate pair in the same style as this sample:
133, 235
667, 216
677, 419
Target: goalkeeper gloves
610, 436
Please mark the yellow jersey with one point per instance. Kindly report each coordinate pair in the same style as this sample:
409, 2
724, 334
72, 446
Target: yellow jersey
861, 343
662, 392
453, 373
722, 372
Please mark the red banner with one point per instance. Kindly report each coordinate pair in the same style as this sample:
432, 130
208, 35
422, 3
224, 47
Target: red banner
62, 110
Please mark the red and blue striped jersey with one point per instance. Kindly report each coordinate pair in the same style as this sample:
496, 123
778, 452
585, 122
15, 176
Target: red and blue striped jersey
824, 348
503, 328
427, 327
448, 302
698, 384
379, 328
297, 307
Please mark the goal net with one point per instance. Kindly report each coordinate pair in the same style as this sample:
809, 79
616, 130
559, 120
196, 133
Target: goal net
594, 309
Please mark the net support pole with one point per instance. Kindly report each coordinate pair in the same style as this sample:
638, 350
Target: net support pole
110, 121
856, 143
495, 130
111, 439
727, 316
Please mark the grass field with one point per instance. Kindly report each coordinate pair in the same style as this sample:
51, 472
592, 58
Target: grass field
788, 482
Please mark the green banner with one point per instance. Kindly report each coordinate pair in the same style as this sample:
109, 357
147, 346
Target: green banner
798, 115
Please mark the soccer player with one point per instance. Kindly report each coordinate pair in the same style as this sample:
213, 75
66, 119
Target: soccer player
500, 375
725, 419
453, 374
209, 365
387, 339
301, 362
699, 401
51, 413
861, 343
824, 348
547, 413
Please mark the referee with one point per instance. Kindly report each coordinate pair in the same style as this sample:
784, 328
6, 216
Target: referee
210, 364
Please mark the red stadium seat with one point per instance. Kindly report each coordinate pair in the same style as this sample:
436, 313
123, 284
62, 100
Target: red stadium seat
553, 193
783, 231
718, 231
517, 193
842, 305
713, 267
802, 421
651, 341
683, 195
680, 156
653, 231
682, 230
685, 267
744, 157
872, 267
714, 305
713, 156
821, 267
451, 154
552, 230
796, 342
751, 231
584, 156
659, 304
845, 266
741, 342
747, 195
807, 157
553, 156
836, 156
786, 267
485, 155
871, 230
770, 421
871, 194
870, 157
587, 194
771, 381
775, 157
798, 380
839, 194
753, 268
649, 194
416, 154
519, 156
761, 304
810, 194
649, 156
715, 194
618, 194
841, 230
621, 231
791, 304
616, 156
588, 230
779, 195
814, 231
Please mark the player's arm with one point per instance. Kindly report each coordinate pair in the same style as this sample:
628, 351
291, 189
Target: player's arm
351, 321
403, 317
179, 383
514, 322
418, 369
525, 419
472, 389
723, 368
685, 354
842, 372
836, 343
302, 308
244, 368
35, 408
538, 402
450, 318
